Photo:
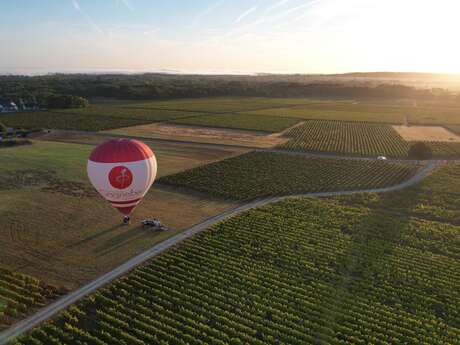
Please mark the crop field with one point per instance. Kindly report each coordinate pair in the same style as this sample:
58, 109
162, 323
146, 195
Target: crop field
258, 174
301, 271
51, 217
241, 121
360, 139
20, 294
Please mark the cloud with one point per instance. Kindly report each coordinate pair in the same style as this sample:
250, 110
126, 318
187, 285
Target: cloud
76, 5
205, 12
245, 14
126, 3
88, 19
275, 6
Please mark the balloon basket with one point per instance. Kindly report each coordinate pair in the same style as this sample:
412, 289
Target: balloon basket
126, 220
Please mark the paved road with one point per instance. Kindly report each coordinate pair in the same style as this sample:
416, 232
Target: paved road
332, 155
54, 308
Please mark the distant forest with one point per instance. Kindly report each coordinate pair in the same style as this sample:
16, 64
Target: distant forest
166, 86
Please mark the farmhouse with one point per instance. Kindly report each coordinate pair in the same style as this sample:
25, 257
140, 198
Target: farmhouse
8, 106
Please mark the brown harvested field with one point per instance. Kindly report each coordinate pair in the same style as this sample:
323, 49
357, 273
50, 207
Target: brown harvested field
426, 133
202, 135
55, 227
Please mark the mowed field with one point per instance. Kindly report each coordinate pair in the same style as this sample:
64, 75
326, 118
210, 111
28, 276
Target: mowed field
364, 269
55, 227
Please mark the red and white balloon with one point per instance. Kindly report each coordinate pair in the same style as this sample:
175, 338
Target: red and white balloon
122, 171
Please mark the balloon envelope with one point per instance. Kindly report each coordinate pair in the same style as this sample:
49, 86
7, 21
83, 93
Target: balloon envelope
122, 171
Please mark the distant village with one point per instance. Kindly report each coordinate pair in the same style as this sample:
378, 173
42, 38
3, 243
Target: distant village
8, 106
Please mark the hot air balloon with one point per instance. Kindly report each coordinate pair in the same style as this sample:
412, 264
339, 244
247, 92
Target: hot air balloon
122, 171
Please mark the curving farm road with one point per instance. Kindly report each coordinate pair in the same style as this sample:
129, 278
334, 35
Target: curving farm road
62, 303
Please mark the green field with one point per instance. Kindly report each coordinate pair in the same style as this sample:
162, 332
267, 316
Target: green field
240, 121
258, 174
252, 113
301, 271
359, 139
20, 295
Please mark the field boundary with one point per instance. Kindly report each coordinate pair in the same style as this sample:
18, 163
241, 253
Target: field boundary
62, 303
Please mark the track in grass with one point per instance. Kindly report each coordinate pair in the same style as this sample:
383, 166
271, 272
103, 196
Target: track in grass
259, 174
305, 271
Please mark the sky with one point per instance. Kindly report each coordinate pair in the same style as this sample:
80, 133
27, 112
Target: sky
229, 36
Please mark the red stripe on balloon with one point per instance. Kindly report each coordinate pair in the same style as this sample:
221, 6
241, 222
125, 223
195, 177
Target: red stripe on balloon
121, 151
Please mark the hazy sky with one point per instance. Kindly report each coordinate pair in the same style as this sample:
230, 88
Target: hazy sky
304, 36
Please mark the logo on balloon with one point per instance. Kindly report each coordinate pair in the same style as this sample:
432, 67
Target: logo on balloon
120, 177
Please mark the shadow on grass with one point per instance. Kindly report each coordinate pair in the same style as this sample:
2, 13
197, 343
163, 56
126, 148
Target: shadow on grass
122, 239
95, 236
364, 266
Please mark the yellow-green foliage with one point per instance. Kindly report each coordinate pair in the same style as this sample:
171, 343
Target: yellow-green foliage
330, 271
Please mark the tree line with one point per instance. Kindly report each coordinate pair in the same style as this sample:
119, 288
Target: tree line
58, 89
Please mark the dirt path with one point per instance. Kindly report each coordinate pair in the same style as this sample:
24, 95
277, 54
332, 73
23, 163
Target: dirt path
54, 308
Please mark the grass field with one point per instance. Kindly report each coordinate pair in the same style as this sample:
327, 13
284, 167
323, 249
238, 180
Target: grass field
20, 295
258, 174
358, 138
51, 218
301, 271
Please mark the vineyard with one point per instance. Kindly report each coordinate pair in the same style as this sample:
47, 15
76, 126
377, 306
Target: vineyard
301, 271
259, 174
357, 138
219, 105
61, 120
20, 294
371, 111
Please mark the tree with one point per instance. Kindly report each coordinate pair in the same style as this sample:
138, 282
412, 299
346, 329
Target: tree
420, 151
66, 101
